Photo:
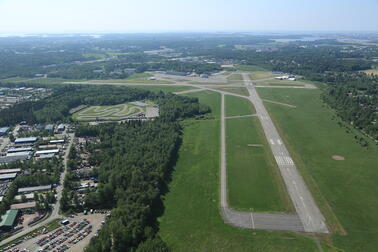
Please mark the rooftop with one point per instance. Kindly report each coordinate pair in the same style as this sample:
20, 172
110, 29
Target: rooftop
10, 159
34, 188
25, 139
4, 129
3, 171
8, 218
20, 149
8, 176
22, 153
24, 205
54, 151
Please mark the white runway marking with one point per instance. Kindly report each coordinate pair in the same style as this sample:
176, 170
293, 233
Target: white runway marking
271, 141
279, 142
284, 160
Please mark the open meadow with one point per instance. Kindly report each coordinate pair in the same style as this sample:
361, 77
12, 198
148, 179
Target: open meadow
254, 181
280, 83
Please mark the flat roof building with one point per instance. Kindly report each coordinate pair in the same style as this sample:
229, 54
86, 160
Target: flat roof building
41, 152
7, 160
46, 156
22, 149
8, 176
23, 153
4, 131
26, 205
61, 127
15, 170
25, 140
59, 141
34, 189
49, 127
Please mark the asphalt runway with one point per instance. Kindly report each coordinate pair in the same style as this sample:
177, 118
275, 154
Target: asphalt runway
305, 206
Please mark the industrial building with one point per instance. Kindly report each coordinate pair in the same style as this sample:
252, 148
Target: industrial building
15, 170
8, 176
22, 149
7, 159
34, 189
25, 140
4, 131
49, 127
22, 206
46, 156
59, 141
23, 153
61, 127
42, 152
8, 220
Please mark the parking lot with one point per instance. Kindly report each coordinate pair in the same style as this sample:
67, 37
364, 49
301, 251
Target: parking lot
73, 236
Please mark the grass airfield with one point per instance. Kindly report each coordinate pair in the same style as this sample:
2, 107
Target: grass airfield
345, 189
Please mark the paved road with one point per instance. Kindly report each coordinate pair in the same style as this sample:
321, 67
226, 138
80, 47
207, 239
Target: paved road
305, 206
55, 212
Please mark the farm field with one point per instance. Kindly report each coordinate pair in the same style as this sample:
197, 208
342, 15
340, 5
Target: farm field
191, 220
112, 112
346, 190
254, 181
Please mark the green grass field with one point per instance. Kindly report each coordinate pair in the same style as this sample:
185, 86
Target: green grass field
249, 68
253, 177
127, 80
257, 75
235, 90
163, 88
191, 220
139, 75
236, 106
235, 77
280, 83
345, 190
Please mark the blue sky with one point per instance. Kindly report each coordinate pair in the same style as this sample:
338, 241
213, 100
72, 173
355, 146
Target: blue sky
61, 16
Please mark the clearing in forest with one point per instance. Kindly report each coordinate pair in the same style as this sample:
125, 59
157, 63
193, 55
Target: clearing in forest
131, 110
